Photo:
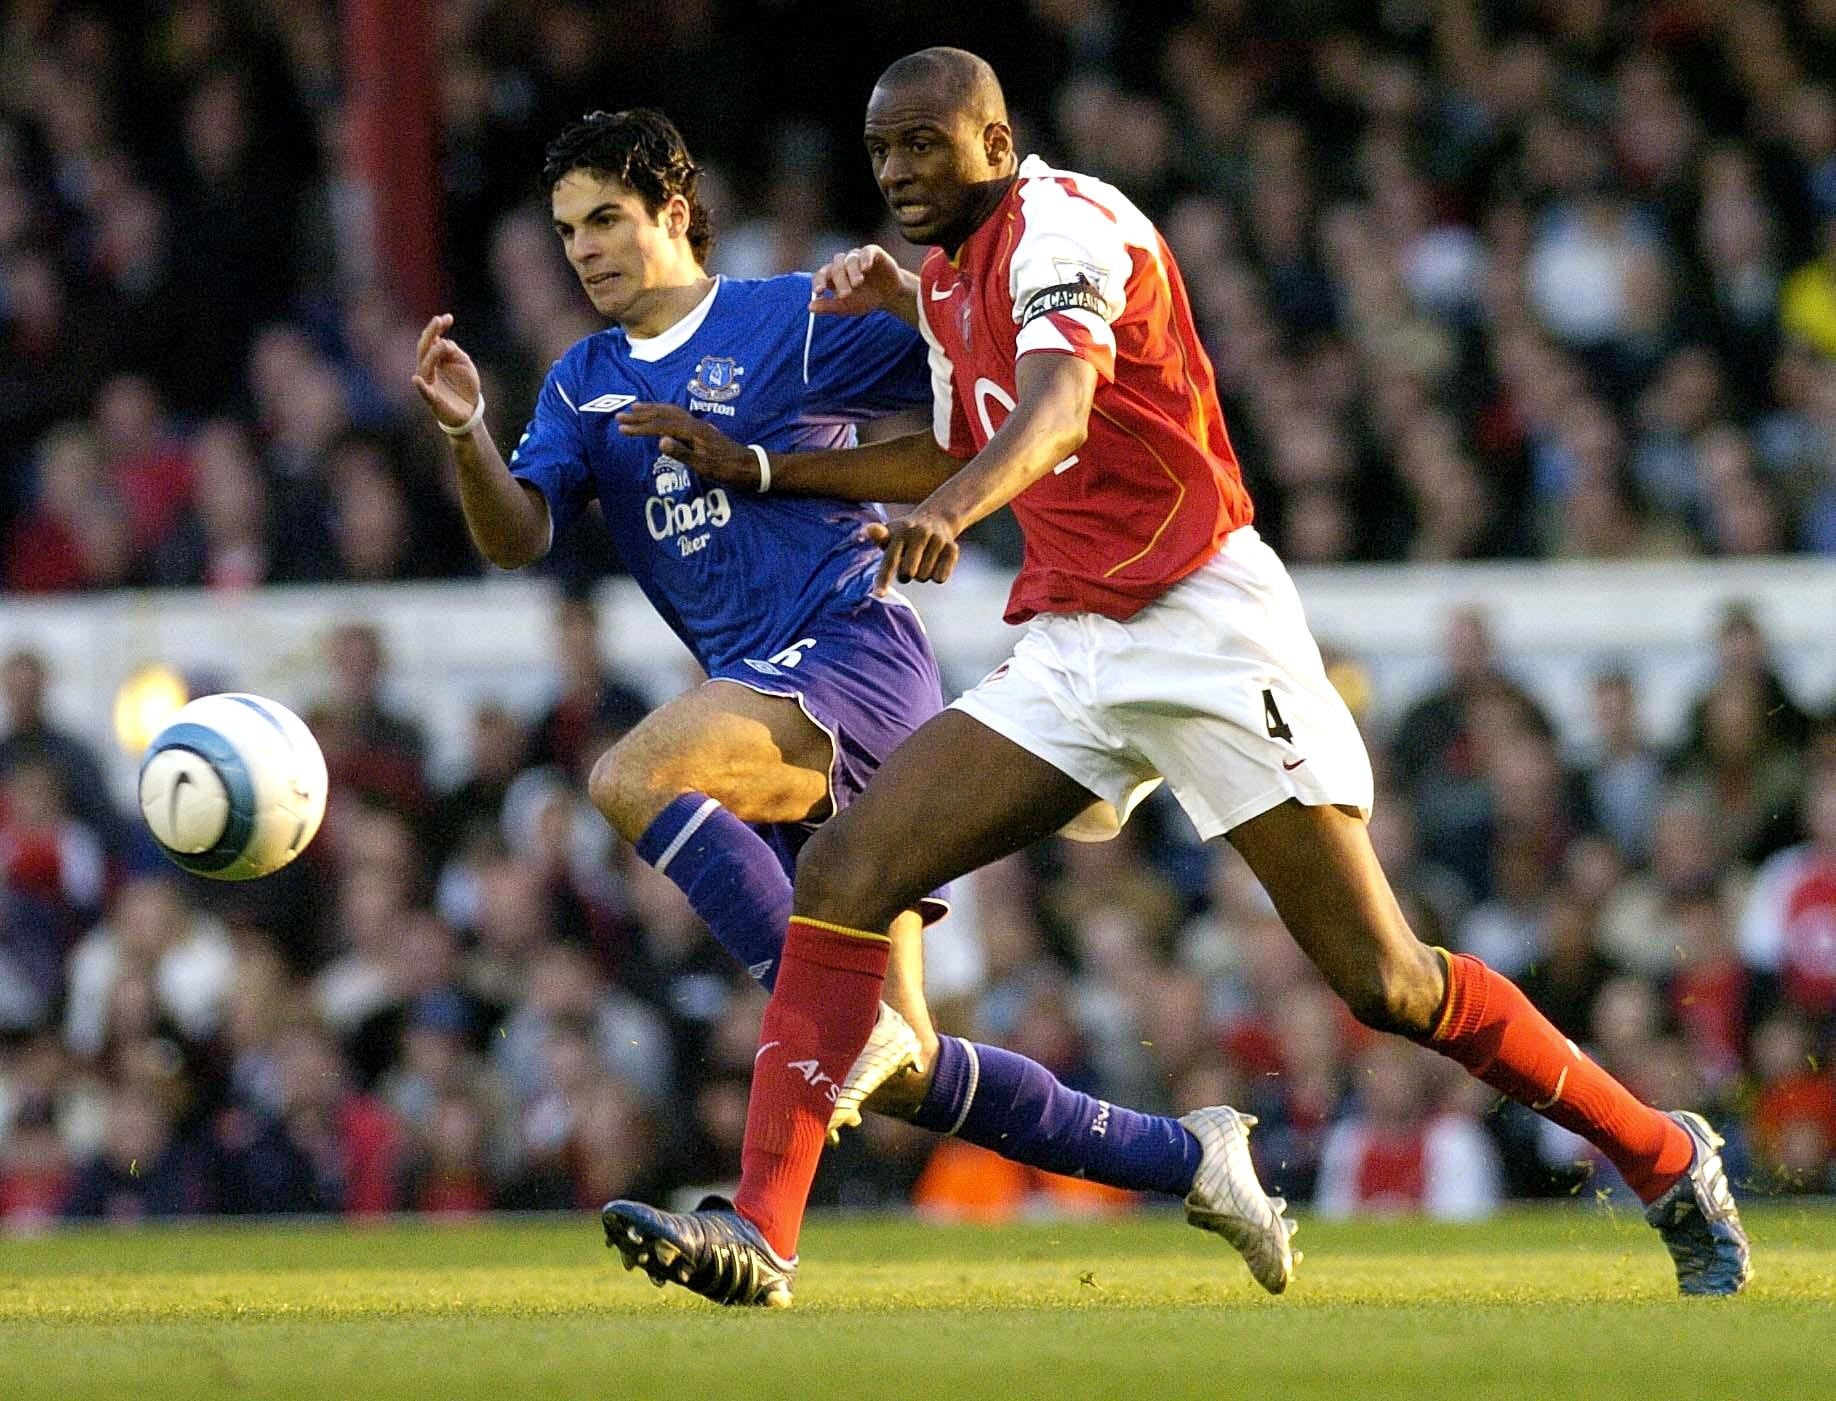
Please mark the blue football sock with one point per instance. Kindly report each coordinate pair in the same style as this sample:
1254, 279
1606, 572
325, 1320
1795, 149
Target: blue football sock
1017, 1108
732, 878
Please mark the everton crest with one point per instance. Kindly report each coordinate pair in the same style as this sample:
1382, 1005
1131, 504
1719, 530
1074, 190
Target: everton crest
717, 378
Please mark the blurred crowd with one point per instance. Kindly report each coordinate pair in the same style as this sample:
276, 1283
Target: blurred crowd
1482, 278
470, 995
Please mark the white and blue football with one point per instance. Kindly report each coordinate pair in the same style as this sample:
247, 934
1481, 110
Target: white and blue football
234, 787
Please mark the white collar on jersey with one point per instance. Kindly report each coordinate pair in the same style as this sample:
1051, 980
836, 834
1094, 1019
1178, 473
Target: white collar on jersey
656, 347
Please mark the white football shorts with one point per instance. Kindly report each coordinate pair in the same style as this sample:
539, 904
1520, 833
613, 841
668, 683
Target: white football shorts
1217, 687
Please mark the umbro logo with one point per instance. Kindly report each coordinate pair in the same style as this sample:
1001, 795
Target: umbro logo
608, 403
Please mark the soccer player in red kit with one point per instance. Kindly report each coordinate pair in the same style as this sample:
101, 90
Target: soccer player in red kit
1162, 640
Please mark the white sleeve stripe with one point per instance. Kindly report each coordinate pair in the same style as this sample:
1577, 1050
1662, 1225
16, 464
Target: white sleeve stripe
809, 334
564, 399
1042, 333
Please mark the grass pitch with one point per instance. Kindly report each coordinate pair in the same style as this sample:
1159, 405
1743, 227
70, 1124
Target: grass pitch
1575, 1303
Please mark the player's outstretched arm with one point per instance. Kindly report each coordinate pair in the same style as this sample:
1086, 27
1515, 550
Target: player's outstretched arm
861, 280
908, 468
508, 519
1048, 425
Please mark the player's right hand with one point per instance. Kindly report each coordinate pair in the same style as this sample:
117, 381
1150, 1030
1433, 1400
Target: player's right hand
692, 442
444, 374
859, 281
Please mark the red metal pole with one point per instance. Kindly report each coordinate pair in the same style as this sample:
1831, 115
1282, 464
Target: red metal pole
395, 126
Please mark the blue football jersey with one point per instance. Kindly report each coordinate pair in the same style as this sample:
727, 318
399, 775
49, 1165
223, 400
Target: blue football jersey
732, 572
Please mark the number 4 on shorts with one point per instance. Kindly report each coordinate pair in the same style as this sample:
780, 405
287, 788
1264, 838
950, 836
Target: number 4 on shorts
1278, 727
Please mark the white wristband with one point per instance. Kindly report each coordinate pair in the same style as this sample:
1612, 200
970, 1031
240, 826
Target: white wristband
464, 430
764, 467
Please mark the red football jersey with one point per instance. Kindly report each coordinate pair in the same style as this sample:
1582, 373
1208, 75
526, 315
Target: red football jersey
1067, 265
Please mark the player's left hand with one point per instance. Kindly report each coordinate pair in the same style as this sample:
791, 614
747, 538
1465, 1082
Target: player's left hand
698, 446
861, 280
919, 548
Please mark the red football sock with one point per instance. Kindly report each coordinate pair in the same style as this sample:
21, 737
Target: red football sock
816, 1023
1489, 1026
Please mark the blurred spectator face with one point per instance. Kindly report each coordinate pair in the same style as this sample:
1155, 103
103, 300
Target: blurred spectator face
34, 796
136, 1132
368, 911
1704, 933
1390, 1083
1625, 1020
312, 1072
611, 1140
1616, 713
497, 743
150, 915
577, 641
1310, 1025
720, 1108
1745, 518
216, 129
128, 417
1319, 528
377, 848
432, 1052
257, 993
1740, 645
370, 515
561, 984
1466, 645
426, 952
1685, 852
456, 1135
1779, 1047
356, 657
1734, 720
70, 473
132, 1018
570, 1056
22, 683
1820, 807
513, 909
34, 299
1046, 1032
1593, 869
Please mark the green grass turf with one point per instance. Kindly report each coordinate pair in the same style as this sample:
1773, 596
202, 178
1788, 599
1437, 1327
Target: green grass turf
1576, 1303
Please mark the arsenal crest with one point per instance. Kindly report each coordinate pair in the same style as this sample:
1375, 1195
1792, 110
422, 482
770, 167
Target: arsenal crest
717, 378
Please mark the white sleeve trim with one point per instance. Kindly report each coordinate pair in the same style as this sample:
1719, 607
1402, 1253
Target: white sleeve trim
563, 393
1041, 334
809, 334
1072, 234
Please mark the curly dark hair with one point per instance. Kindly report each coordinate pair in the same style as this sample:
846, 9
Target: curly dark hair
643, 151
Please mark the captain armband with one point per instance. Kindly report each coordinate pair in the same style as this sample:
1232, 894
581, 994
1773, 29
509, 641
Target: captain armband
1081, 295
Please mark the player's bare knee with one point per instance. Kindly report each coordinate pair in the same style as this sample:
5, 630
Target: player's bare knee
1396, 993
627, 790
838, 882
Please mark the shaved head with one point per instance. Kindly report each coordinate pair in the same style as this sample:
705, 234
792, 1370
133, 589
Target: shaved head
942, 150
953, 79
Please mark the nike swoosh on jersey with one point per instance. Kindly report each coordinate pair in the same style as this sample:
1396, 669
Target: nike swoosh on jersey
608, 403
762, 1050
939, 294
1295, 765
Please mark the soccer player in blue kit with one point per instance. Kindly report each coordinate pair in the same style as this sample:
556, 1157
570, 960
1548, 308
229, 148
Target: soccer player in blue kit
813, 679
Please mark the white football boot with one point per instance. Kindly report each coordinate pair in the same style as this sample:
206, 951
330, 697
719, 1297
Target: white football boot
1227, 1198
892, 1047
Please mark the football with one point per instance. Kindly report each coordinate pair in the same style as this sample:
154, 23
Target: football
234, 787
